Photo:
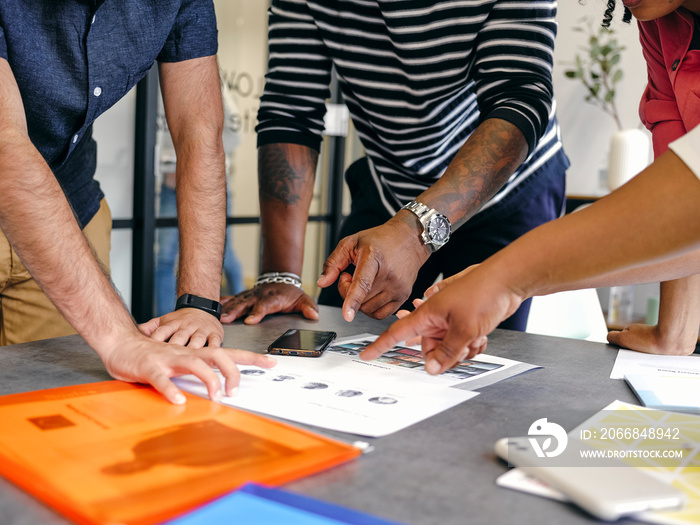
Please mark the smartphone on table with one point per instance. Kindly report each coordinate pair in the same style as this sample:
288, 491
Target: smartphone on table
304, 343
606, 487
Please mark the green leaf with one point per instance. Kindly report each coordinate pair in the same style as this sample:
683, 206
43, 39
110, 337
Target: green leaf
610, 95
617, 76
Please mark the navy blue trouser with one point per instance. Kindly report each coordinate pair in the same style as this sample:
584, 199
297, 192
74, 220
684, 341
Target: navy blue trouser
535, 201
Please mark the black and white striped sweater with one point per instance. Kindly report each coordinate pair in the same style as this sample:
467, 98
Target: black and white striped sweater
417, 77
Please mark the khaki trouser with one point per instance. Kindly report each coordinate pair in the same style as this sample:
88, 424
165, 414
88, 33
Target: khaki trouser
26, 313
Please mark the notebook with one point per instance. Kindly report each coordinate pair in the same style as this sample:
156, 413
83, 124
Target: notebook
667, 392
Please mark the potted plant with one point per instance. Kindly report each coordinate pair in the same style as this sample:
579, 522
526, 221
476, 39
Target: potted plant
600, 71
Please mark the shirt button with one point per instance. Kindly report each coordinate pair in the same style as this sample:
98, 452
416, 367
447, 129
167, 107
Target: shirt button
98, 91
75, 139
675, 65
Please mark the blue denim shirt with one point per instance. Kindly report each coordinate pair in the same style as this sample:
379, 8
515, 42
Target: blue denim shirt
74, 59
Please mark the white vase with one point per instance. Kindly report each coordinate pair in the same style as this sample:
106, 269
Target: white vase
629, 154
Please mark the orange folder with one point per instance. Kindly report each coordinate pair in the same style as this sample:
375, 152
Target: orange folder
113, 452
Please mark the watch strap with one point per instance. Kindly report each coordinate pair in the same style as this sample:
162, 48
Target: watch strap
200, 303
416, 207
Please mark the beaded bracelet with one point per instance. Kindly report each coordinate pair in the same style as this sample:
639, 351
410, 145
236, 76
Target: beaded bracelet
279, 277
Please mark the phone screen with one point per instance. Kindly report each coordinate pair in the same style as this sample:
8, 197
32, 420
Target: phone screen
307, 343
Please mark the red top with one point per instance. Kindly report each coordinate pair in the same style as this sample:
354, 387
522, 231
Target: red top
670, 104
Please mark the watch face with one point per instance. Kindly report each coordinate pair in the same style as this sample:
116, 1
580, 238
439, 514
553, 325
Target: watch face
439, 229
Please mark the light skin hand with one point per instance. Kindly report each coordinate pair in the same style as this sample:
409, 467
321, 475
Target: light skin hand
187, 327
194, 111
386, 258
40, 225
453, 324
266, 299
139, 359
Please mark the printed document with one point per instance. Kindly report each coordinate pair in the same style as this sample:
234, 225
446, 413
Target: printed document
339, 391
629, 362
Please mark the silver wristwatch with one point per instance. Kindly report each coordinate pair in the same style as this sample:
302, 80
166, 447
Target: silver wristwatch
436, 227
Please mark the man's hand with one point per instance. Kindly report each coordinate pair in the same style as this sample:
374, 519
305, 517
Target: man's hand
453, 324
386, 259
267, 299
187, 327
139, 359
653, 340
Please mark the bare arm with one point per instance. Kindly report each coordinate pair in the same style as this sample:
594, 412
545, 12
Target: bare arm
652, 217
679, 320
286, 175
37, 220
388, 257
193, 108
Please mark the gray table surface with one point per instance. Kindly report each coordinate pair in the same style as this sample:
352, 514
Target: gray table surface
439, 471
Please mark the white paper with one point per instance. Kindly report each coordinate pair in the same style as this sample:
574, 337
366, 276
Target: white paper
339, 391
629, 362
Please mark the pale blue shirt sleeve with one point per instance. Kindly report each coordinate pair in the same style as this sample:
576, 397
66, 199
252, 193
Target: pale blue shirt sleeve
688, 149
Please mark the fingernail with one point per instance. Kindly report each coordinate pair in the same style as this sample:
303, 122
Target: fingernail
350, 314
234, 392
272, 360
180, 399
217, 396
432, 367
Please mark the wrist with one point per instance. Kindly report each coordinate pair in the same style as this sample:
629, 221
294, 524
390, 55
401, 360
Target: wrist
434, 227
410, 232
278, 278
205, 304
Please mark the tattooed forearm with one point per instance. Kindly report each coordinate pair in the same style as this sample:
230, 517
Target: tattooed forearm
481, 168
282, 171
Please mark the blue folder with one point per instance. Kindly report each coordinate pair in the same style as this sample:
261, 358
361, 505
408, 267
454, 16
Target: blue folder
257, 505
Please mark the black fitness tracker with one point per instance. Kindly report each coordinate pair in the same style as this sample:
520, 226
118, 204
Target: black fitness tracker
200, 303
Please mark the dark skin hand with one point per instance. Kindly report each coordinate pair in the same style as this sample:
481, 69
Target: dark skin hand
387, 258
286, 177
257, 302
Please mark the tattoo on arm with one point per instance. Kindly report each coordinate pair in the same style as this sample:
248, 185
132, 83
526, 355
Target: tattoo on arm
484, 164
282, 171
